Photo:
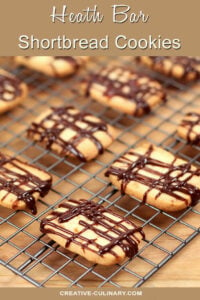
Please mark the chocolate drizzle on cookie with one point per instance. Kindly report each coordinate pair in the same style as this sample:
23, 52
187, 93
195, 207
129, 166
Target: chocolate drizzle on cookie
190, 65
14, 176
67, 117
174, 181
99, 220
9, 88
189, 125
136, 87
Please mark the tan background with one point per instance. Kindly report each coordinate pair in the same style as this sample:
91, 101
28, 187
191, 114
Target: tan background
168, 18
147, 294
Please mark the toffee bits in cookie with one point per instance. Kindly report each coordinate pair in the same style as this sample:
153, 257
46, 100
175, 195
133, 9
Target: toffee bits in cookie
182, 68
124, 90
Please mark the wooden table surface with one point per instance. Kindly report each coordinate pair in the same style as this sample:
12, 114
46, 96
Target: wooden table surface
181, 271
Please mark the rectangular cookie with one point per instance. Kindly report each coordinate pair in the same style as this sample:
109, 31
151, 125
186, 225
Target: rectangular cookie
68, 131
92, 231
157, 177
55, 66
12, 91
182, 68
21, 184
124, 90
189, 128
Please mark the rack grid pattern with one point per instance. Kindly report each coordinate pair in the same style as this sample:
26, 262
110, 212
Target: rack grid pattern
30, 254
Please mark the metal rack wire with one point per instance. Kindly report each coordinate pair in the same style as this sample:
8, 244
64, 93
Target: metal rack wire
30, 254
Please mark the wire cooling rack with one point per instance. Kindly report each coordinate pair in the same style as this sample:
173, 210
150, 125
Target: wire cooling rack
30, 254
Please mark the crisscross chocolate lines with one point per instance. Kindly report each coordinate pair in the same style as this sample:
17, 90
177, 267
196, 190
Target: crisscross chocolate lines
68, 118
174, 186
117, 231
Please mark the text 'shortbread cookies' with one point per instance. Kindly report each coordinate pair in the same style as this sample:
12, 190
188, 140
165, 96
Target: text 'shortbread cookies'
68, 131
12, 91
21, 184
157, 177
182, 68
55, 66
189, 128
124, 90
92, 231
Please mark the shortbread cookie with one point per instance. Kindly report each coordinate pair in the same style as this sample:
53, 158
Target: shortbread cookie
92, 231
68, 131
124, 90
21, 184
55, 66
157, 177
182, 68
12, 91
189, 129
